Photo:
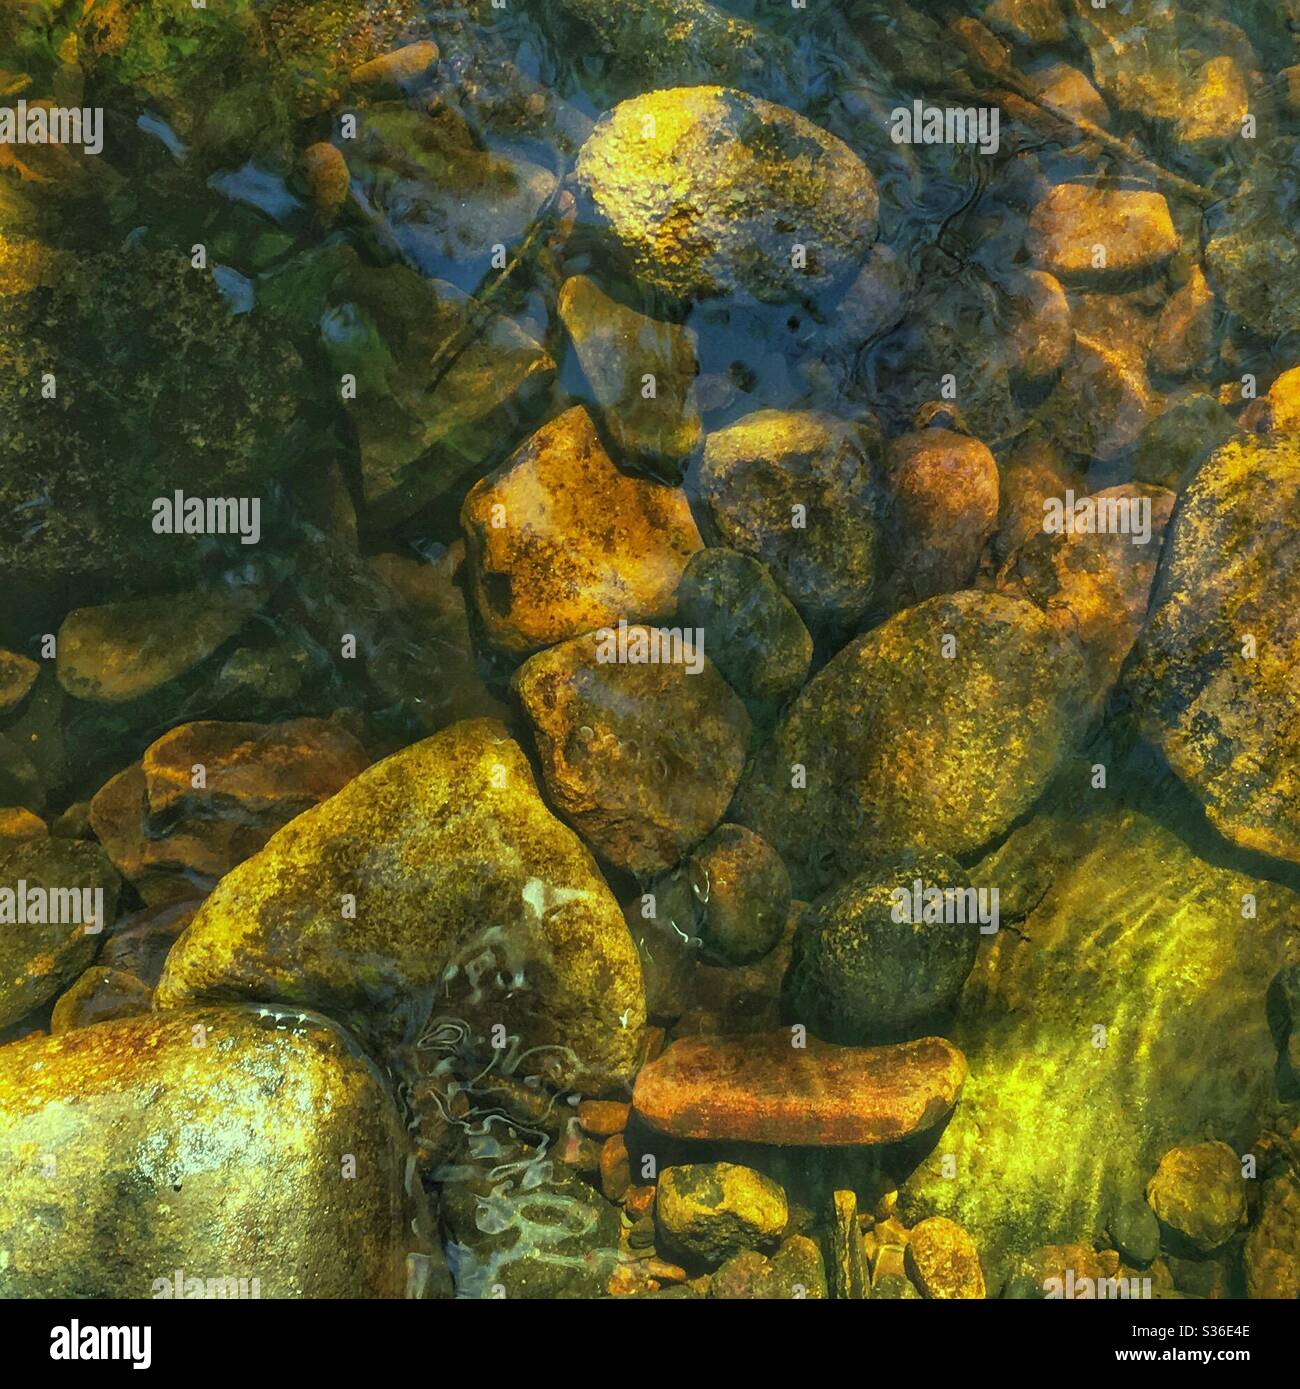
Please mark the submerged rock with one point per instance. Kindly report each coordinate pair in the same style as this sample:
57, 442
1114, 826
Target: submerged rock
796, 1271
754, 635
743, 892
618, 348
437, 871
799, 491
707, 1212
216, 1142
1199, 1193
763, 1089
17, 676
1214, 678
1253, 256
49, 926
875, 960
1082, 232
99, 995
561, 542
942, 1260
640, 758
934, 731
710, 190
1272, 1253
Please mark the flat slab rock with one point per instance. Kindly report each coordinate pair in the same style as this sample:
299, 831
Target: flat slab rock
761, 1089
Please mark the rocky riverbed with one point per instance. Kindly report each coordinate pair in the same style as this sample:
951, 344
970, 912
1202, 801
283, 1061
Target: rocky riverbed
649, 649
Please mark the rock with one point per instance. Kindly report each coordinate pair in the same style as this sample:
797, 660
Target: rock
326, 173
1253, 257
755, 636
99, 995
579, 545
1173, 445
714, 198
761, 1089
17, 826
894, 1287
1132, 227
904, 748
278, 1097
1103, 400
1031, 472
867, 966
392, 74
17, 676
849, 1276
1217, 107
603, 1118
943, 507
1272, 1253
744, 894
610, 740
138, 944
123, 651
773, 469
617, 349
452, 858
1199, 1193
542, 1237
1184, 336
615, 1172
1067, 89
423, 434
1121, 901
707, 1212
1028, 21
794, 1271
42, 879
1284, 402
1133, 1227
173, 840
1036, 313
942, 1260
1212, 682
1096, 584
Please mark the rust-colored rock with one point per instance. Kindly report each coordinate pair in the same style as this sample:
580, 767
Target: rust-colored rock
602, 1118
762, 1089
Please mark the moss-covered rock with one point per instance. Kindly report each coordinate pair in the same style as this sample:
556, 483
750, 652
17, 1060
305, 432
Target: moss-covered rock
1199, 1193
233, 1143
943, 1261
100, 995
707, 1212
868, 966
1214, 679
897, 745
799, 491
743, 892
439, 867
49, 930
640, 757
795, 1271
709, 190
1132, 228
17, 676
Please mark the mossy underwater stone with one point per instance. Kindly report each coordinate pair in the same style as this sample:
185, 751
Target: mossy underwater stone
795, 1271
212, 1141
864, 970
706, 1212
1199, 1192
1214, 677
743, 893
444, 851
709, 189
640, 757
903, 747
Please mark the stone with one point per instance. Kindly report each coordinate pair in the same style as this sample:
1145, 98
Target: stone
99, 995
757, 471
580, 544
761, 1089
277, 1097
1103, 400
1216, 109
1199, 1193
610, 740
423, 434
615, 1172
943, 1262
942, 509
1271, 1257
1133, 227
744, 894
1212, 681
617, 349
1068, 90
447, 855
17, 676
173, 840
1031, 472
1028, 21
905, 748
603, 1118
755, 636
874, 962
794, 1271
138, 944
43, 878
1037, 318
1172, 447
1284, 402
1132, 924
1133, 1227
397, 72
18, 825
1184, 336
850, 1278
326, 173
713, 200
707, 1212
1096, 584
